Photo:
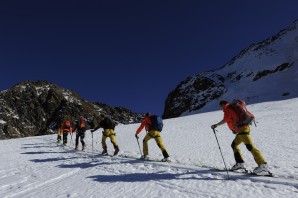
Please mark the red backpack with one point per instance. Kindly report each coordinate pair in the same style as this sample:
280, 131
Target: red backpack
66, 127
67, 123
245, 117
82, 123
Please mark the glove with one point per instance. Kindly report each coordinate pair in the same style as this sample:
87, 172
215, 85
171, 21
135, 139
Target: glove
136, 136
213, 126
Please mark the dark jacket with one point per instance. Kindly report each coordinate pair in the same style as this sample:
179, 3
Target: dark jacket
106, 123
79, 128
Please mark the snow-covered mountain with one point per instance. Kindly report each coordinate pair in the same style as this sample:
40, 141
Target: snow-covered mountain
35, 167
33, 107
265, 71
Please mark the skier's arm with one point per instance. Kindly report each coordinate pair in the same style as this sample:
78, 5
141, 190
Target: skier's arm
143, 124
99, 126
220, 123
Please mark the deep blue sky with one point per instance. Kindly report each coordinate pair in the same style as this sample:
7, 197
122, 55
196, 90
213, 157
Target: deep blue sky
129, 53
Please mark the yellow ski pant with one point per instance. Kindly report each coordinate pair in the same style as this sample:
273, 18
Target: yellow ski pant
244, 137
111, 134
158, 139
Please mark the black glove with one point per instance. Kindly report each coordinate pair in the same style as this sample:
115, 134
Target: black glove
137, 136
213, 126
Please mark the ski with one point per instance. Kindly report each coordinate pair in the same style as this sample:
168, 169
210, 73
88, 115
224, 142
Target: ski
141, 159
267, 174
149, 160
240, 170
249, 172
76, 150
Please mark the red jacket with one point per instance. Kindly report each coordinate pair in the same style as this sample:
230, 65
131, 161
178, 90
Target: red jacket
231, 118
145, 123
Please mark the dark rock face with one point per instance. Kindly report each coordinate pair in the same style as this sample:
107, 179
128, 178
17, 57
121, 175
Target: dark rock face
30, 108
279, 68
186, 98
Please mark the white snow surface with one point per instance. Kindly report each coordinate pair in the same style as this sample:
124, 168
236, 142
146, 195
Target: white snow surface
37, 167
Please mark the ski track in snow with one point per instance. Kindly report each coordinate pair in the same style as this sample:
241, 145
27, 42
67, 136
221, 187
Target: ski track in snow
37, 167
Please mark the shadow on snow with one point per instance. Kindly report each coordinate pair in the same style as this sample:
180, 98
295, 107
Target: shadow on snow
144, 177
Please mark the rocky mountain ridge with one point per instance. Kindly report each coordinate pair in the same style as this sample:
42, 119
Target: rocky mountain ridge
36, 107
264, 71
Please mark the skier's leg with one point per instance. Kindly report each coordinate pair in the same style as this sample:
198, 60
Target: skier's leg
259, 159
113, 141
82, 139
145, 144
59, 138
77, 140
160, 144
103, 142
236, 149
65, 134
111, 134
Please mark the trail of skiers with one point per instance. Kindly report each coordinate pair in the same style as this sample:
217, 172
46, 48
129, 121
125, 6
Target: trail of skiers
236, 116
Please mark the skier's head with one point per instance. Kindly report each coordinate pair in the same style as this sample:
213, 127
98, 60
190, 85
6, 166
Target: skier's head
147, 114
222, 103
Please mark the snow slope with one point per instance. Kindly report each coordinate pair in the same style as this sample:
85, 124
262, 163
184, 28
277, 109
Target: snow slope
37, 167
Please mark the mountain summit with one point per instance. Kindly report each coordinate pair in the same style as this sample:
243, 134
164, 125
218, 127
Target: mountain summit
264, 71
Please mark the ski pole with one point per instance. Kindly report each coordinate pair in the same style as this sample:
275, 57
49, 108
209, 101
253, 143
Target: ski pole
139, 145
71, 139
92, 140
221, 154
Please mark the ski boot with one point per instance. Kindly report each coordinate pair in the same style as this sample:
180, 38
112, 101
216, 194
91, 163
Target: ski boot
261, 170
116, 150
144, 157
166, 159
238, 167
104, 152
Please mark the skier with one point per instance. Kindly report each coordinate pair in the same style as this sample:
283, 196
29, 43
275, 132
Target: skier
65, 129
80, 127
152, 133
242, 136
108, 131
